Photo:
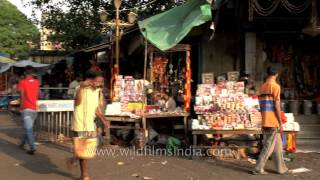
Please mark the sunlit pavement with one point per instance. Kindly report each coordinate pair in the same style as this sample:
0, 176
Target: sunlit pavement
49, 163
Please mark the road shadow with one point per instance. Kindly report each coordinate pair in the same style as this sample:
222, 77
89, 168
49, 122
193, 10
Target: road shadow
11, 125
39, 163
60, 146
235, 166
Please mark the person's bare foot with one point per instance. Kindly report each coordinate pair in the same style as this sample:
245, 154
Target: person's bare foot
86, 178
284, 172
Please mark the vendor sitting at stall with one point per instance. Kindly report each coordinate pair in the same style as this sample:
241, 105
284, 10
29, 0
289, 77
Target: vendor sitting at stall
157, 99
170, 103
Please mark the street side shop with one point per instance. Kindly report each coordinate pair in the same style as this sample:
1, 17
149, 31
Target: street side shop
164, 96
161, 94
228, 117
155, 105
13, 72
287, 36
297, 57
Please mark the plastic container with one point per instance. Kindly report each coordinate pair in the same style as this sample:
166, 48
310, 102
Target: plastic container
294, 106
284, 105
307, 107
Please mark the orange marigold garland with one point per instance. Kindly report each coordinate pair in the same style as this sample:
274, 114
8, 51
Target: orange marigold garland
187, 86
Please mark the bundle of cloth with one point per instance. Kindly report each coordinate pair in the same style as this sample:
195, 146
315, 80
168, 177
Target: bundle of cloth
290, 124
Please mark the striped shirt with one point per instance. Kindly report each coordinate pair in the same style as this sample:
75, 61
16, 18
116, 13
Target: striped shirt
269, 93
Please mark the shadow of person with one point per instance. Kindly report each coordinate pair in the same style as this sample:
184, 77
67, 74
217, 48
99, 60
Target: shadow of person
11, 125
39, 163
232, 165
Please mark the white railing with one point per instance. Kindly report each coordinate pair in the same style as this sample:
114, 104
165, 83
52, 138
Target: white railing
54, 120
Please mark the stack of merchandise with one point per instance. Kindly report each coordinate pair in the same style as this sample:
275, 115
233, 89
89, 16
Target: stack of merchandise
117, 88
129, 92
223, 107
255, 117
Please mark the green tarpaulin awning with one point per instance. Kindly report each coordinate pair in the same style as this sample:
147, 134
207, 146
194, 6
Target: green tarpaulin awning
167, 29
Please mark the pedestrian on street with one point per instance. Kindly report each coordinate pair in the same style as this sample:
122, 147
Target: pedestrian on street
73, 85
29, 91
269, 100
87, 107
99, 83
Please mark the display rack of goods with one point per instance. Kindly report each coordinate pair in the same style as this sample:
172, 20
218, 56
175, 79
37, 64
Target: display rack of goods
223, 107
255, 117
129, 92
118, 88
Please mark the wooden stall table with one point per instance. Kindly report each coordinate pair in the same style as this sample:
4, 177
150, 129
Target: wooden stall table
166, 116
195, 134
120, 118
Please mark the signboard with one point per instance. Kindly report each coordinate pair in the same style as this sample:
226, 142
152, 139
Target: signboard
233, 76
207, 78
55, 105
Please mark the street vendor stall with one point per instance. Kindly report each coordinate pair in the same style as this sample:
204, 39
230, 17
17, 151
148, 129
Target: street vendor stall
147, 100
165, 91
5, 64
225, 113
8, 85
224, 108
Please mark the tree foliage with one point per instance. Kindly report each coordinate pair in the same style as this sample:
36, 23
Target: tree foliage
15, 31
77, 22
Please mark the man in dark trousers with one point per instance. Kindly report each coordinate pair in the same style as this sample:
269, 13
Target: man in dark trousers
29, 91
269, 100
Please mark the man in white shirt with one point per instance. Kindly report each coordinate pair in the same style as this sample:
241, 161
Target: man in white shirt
73, 85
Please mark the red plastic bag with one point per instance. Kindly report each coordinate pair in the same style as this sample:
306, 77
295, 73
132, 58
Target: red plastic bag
283, 117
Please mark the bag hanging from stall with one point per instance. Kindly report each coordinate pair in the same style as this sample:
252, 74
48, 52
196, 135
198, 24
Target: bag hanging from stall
291, 143
85, 147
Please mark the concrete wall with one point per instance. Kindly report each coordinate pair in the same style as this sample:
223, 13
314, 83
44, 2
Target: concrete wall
250, 53
261, 57
217, 54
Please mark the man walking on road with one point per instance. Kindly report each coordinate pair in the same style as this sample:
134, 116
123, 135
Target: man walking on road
29, 91
271, 123
88, 105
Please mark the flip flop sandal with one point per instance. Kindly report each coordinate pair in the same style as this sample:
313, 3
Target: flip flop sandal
258, 173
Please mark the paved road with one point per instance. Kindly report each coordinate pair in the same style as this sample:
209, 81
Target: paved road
49, 164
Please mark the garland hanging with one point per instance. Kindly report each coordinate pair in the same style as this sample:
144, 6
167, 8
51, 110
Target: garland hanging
295, 9
266, 11
187, 87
